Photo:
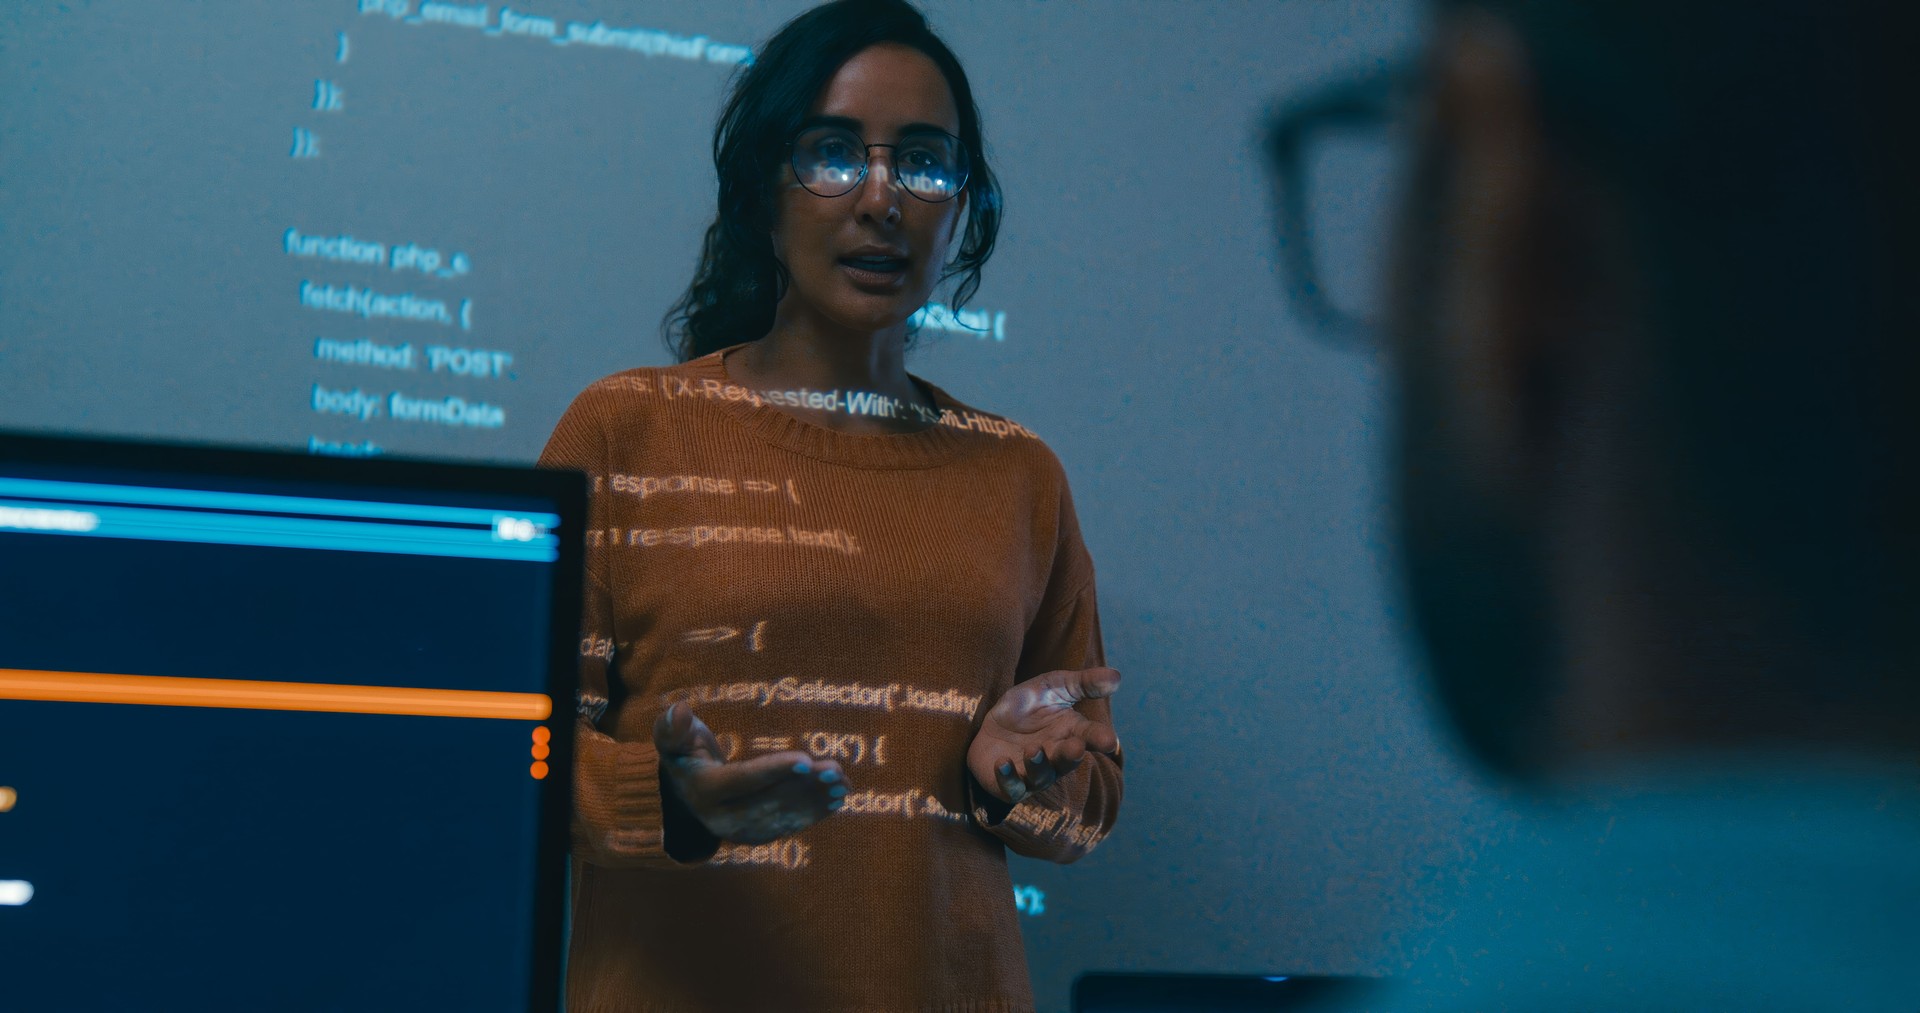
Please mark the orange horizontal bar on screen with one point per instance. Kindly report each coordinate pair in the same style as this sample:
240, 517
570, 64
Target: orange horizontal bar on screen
168, 691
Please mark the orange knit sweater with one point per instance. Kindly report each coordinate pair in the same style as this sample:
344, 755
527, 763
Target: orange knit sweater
866, 598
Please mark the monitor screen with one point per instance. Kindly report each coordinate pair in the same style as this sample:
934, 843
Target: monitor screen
279, 732
1148, 992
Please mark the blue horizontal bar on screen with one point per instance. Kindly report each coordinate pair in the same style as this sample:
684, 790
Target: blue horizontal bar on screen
206, 499
281, 532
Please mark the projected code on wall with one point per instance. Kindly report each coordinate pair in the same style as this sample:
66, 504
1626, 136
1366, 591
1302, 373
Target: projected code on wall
390, 323
397, 328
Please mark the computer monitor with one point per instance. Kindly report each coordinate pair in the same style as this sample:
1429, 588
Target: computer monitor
1152, 992
282, 732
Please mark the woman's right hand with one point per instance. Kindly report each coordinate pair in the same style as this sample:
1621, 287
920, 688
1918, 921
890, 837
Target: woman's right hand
750, 801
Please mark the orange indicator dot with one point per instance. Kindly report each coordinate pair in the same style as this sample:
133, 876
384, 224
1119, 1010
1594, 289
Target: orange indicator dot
540, 750
7, 798
541, 733
538, 770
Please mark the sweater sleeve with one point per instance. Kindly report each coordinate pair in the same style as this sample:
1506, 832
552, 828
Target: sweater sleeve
1067, 819
623, 814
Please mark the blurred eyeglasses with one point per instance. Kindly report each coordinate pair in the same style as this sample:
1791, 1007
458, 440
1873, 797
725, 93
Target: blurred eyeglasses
929, 164
1340, 158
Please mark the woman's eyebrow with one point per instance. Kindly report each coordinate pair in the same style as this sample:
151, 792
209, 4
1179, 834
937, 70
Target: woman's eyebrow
831, 121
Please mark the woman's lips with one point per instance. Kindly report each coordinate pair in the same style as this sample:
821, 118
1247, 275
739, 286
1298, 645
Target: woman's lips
875, 273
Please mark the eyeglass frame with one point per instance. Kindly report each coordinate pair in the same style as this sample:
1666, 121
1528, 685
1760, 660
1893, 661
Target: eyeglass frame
1379, 97
866, 161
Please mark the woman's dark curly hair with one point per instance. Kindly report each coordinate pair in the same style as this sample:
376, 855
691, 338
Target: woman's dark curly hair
739, 280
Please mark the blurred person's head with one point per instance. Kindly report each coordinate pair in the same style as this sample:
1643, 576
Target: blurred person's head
842, 76
1655, 332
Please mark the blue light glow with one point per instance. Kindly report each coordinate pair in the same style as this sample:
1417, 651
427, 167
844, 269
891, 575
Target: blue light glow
285, 532
207, 500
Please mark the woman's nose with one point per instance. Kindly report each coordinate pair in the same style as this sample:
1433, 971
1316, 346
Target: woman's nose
879, 196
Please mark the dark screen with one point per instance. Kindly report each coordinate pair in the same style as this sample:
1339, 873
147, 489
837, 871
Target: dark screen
185, 856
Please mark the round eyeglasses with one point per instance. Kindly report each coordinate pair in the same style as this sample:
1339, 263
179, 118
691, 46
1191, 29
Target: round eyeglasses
831, 162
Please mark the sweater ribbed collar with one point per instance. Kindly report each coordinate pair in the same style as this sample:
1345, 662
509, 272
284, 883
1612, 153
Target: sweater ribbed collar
922, 448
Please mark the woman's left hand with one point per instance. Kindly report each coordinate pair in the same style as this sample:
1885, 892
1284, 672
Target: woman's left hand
1033, 736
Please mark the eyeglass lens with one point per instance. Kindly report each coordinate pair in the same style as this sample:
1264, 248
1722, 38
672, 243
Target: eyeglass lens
830, 161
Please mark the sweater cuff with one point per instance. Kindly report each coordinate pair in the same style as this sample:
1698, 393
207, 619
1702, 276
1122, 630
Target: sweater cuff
649, 823
988, 810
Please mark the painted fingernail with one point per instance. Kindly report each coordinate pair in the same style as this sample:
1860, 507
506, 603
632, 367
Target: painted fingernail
802, 768
837, 791
829, 776
836, 803
1006, 769
1039, 756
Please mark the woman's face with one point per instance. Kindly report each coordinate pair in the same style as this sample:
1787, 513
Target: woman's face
866, 260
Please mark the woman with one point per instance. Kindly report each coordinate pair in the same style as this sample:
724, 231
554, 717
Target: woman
841, 647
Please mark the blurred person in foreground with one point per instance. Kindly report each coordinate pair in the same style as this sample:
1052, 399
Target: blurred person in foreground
1654, 333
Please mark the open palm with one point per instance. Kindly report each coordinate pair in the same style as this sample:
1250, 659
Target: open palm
1041, 730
